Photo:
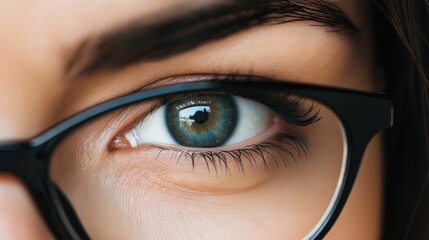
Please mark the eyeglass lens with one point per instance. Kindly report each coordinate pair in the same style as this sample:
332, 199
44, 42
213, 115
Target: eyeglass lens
279, 158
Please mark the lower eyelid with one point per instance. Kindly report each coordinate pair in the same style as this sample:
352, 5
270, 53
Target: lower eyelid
175, 166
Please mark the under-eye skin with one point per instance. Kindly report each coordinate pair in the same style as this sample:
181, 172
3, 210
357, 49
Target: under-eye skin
211, 129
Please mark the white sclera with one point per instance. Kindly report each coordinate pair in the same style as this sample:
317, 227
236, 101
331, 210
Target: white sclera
253, 119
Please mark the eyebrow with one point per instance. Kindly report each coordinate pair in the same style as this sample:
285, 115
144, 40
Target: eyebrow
139, 41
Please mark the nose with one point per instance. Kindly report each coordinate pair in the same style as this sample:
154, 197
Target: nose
19, 218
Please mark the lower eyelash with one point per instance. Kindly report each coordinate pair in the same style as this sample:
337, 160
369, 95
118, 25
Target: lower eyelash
283, 149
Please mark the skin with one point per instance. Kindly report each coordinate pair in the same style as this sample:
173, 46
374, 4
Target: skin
35, 45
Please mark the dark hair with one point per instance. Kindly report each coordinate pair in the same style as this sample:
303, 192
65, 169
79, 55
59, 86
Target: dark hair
402, 43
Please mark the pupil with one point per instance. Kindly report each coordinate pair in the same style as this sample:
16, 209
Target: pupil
199, 116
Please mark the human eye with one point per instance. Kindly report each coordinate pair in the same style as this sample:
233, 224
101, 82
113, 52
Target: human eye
202, 121
224, 131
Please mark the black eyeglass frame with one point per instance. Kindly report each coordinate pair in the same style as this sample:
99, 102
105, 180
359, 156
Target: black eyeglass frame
362, 115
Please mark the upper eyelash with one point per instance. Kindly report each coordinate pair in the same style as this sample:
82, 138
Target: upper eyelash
290, 110
217, 159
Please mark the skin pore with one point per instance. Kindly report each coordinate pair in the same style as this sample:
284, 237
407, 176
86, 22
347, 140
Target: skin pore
36, 46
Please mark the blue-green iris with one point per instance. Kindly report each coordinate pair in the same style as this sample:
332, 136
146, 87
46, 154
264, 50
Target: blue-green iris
203, 120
